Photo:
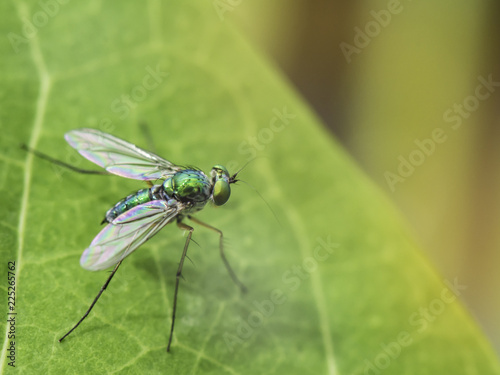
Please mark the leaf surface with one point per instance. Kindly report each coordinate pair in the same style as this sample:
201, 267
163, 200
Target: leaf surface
336, 286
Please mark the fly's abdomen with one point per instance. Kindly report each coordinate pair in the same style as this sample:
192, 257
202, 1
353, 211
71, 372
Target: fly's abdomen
133, 200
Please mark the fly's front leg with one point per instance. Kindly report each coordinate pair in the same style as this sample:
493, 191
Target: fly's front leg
242, 287
178, 276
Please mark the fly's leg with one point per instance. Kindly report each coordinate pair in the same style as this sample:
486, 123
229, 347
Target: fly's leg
147, 136
95, 300
149, 139
178, 276
60, 163
242, 287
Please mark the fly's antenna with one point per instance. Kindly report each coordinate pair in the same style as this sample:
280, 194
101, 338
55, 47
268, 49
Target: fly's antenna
267, 204
233, 179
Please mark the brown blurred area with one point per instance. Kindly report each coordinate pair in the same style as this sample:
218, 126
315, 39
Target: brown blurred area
395, 92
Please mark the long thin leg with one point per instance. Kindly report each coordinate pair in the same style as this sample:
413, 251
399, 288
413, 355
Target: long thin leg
147, 135
41, 155
149, 139
242, 287
95, 300
178, 276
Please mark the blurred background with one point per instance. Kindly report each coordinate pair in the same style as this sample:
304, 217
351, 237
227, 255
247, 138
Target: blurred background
410, 90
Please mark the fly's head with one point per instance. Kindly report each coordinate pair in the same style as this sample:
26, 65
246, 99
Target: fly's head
220, 182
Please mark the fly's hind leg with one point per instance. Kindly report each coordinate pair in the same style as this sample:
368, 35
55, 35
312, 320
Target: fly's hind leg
60, 163
242, 287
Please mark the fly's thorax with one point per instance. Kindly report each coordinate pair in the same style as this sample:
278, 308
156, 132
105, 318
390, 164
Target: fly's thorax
188, 186
220, 182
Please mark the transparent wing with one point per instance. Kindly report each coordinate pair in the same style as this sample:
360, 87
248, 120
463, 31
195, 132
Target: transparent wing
118, 156
127, 232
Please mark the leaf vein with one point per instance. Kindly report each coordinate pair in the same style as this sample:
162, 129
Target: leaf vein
41, 105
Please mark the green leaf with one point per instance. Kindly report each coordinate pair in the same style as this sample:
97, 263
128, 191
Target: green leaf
336, 286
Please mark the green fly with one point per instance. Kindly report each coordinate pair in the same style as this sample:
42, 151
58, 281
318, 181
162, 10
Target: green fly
176, 194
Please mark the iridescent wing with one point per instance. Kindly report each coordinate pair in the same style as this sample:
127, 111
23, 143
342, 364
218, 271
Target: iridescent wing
127, 232
118, 156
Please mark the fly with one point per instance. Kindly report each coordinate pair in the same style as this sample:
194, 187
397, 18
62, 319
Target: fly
176, 194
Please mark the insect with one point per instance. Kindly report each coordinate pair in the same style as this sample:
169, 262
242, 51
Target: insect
176, 194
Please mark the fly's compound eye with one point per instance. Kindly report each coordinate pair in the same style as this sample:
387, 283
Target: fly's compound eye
220, 181
221, 192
